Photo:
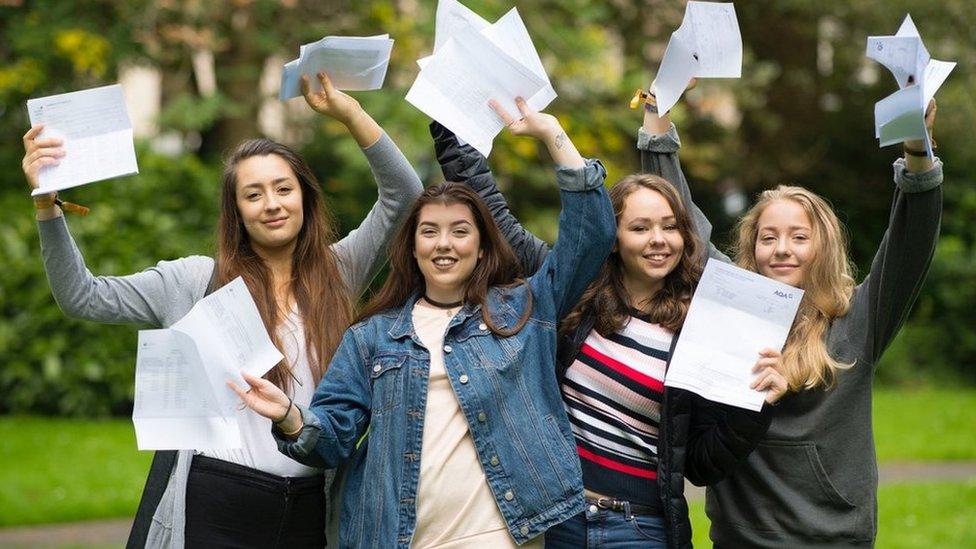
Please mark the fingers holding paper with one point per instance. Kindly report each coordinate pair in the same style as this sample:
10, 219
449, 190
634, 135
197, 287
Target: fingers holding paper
39, 153
268, 400
330, 101
545, 128
769, 376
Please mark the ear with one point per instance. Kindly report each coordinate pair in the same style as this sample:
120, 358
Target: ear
481, 253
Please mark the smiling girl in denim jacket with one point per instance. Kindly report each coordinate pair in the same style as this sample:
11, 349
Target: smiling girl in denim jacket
451, 371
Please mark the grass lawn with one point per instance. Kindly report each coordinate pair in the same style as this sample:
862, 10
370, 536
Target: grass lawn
60, 470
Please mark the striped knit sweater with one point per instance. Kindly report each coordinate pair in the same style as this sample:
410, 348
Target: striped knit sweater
613, 392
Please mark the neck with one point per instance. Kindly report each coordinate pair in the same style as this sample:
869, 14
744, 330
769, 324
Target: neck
279, 262
442, 295
640, 291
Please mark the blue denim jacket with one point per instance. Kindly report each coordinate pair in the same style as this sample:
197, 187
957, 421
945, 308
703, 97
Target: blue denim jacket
506, 387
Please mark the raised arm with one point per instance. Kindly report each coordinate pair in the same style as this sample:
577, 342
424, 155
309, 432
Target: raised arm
325, 433
658, 142
363, 251
587, 227
464, 164
138, 298
883, 300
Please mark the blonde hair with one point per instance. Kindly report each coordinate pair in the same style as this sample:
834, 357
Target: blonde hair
828, 286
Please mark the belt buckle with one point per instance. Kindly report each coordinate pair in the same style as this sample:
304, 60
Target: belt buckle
610, 504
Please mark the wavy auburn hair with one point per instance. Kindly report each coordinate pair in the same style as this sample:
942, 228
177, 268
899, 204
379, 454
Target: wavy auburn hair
828, 286
497, 266
606, 297
320, 293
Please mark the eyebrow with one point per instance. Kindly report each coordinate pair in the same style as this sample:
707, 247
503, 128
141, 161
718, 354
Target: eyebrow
791, 228
649, 220
453, 223
274, 182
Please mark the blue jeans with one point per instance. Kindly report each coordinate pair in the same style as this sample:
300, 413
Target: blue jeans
597, 528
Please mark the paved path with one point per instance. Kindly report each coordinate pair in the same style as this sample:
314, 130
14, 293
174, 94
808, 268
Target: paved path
113, 533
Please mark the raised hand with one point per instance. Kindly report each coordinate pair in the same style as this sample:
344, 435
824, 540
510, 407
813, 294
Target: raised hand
271, 402
532, 123
545, 128
768, 376
39, 153
330, 101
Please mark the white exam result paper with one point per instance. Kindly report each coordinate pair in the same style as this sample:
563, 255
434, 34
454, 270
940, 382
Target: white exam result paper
182, 398
708, 44
97, 134
901, 116
175, 407
458, 81
354, 63
734, 314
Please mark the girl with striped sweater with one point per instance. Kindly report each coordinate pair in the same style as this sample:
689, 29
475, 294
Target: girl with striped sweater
636, 439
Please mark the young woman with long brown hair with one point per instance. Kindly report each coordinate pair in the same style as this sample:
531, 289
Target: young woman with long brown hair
276, 232
451, 370
812, 481
635, 439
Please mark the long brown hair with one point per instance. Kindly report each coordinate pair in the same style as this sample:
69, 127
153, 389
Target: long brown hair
320, 293
497, 266
828, 287
606, 297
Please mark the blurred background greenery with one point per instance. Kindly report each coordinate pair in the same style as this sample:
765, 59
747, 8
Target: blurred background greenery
801, 114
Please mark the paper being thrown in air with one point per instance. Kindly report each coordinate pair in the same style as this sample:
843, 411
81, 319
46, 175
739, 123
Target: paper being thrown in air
353, 63
706, 45
901, 116
506, 65
97, 135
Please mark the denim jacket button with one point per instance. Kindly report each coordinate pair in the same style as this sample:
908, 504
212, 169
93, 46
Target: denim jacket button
482, 326
377, 368
509, 496
447, 349
494, 461
524, 530
482, 417
463, 379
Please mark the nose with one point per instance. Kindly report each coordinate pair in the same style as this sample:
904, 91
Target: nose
657, 236
444, 241
271, 202
782, 247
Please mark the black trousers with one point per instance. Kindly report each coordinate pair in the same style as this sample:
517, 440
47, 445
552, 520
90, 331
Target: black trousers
229, 505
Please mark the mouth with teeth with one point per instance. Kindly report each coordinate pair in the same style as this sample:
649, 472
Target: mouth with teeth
444, 262
657, 257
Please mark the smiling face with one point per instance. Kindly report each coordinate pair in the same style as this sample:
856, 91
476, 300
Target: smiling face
447, 246
269, 199
649, 242
784, 242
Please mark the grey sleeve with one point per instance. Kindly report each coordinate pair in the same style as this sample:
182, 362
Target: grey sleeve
145, 297
883, 300
659, 156
363, 251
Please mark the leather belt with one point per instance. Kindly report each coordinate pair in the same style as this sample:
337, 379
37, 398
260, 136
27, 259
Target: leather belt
621, 506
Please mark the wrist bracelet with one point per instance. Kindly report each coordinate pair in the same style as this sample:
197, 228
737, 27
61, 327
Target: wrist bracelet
913, 152
287, 412
43, 203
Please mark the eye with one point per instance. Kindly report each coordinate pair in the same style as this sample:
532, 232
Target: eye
801, 237
767, 238
284, 189
461, 232
252, 196
671, 227
428, 232
638, 228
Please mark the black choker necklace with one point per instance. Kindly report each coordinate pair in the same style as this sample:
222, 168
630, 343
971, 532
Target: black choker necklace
442, 305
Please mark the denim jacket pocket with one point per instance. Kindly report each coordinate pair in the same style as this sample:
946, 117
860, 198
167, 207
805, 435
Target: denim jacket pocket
386, 379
